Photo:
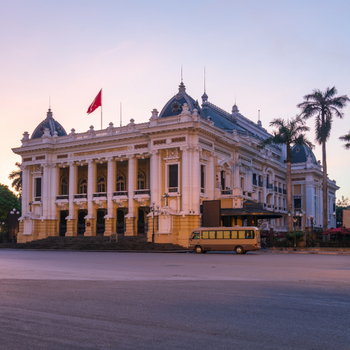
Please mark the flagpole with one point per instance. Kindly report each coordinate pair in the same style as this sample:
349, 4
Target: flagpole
101, 109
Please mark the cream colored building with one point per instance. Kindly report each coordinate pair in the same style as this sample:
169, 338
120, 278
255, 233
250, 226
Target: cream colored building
108, 181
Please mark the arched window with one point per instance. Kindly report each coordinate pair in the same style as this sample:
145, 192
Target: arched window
141, 180
64, 185
120, 182
101, 184
83, 186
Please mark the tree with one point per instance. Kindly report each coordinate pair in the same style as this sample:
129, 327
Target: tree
346, 138
289, 133
8, 201
16, 177
323, 106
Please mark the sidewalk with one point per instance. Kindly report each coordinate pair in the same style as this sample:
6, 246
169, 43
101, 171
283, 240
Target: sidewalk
333, 251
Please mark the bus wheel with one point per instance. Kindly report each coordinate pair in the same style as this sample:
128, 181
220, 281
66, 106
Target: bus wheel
239, 250
199, 249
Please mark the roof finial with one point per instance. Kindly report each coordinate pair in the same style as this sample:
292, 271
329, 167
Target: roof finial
181, 75
259, 121
205, 88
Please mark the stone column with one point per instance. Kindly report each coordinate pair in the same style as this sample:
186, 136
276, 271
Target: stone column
210, 177
111, 180
71, 219
196, 182
131, 216
54, 186
45, 190
25, 189
155, 180
90, 222
185, 180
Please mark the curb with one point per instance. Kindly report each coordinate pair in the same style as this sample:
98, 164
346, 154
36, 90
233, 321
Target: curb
304, 252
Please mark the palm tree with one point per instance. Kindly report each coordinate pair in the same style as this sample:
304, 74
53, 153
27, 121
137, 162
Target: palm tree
16, 177
346, 138
324, 106
289, 133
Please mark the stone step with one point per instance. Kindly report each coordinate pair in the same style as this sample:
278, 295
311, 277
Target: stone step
93, 243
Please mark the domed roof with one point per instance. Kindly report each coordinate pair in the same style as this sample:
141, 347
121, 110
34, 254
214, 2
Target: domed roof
301, 153
174, 105
51, 124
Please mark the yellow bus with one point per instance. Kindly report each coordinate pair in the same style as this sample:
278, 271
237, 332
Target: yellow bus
239, 239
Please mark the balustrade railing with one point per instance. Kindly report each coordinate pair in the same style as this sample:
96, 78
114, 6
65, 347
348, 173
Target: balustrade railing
146, 191
120, 193
62, 196
99, 194
80, 196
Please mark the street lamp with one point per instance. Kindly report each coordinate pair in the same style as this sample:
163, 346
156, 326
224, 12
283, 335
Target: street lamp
154, 210
1, 230
166, 196
13, 212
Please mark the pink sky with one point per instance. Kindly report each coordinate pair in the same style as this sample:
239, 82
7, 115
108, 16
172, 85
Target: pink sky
268, 54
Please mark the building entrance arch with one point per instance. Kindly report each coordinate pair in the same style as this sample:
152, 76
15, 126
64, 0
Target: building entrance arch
63, 222
81, 222
142, 224
121, 221
100, 222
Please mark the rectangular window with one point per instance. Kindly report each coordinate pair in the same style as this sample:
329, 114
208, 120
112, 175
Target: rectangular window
227, 235
219, 234
205, 234
173, 178
249, 234
234, 234
202, 179
297, 203
38, 188
222, 178
241, 234
211, 234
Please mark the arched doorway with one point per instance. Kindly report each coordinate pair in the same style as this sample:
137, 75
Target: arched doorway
121, 221
81, 222
63, 223
100, 222
142, 224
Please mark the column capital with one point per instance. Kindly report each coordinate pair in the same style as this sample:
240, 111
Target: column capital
89, 161
109, 159
153, 152
130, 156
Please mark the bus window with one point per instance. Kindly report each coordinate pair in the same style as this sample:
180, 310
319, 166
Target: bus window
211, 234
205, 234
195, 235
219, 234
227, 235
234, 234
241, 234
249, 234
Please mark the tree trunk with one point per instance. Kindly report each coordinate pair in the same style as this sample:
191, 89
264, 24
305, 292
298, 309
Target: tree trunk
289, 195
325, 189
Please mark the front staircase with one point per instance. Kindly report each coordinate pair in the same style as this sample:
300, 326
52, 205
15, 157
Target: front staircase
94, 243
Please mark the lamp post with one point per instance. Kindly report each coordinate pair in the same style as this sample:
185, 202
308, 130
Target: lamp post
1, 231
154, 210
166, 196
295, 219
14, 212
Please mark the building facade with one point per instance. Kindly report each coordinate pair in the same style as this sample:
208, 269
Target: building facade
152, 177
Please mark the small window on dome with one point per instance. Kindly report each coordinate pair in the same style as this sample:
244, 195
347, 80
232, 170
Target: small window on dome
297, 150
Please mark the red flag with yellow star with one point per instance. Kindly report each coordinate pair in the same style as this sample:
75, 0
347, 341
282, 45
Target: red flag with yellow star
97, 102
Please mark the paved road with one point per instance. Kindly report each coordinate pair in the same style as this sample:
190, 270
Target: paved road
113, 300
